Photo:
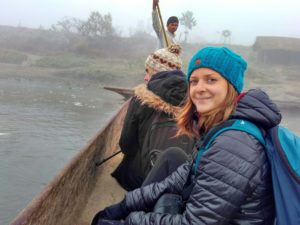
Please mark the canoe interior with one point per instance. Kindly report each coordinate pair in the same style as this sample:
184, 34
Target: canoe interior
106, 192
81, 188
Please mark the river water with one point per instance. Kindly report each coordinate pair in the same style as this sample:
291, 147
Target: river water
44, 122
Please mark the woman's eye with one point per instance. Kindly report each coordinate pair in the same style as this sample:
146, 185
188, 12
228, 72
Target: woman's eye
211, 80
193, 82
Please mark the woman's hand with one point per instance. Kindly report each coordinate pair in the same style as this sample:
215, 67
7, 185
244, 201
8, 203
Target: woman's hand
154, 5
113, 212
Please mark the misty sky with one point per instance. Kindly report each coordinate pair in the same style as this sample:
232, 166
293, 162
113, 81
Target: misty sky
245, 18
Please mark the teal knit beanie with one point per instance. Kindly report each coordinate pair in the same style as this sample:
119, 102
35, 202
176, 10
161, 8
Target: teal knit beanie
222, 60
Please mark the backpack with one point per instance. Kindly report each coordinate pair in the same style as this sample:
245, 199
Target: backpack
161, 135
283, 151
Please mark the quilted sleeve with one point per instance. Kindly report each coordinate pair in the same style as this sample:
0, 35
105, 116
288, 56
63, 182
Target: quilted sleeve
222, 184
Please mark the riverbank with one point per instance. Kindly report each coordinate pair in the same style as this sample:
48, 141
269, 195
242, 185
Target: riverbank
280, 82
106, 71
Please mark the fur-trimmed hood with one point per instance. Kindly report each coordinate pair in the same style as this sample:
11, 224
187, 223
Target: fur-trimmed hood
164, 92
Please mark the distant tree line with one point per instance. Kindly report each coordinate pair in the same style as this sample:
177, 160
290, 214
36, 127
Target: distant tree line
95, 26
94, 37
98, 25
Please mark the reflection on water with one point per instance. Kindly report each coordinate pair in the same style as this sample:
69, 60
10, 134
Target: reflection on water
43, 124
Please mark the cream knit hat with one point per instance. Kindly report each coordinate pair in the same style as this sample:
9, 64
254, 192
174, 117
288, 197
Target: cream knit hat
165, 59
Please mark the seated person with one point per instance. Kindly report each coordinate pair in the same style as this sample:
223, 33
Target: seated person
162, 95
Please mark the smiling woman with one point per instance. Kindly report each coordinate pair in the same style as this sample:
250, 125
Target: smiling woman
220, 177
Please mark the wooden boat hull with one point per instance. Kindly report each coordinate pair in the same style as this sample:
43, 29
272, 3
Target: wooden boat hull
125, 92
81, 188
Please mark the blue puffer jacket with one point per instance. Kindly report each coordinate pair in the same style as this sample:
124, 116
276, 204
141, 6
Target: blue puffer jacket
233, 181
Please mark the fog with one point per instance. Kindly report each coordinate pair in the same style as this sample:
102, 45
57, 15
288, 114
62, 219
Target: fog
246, 19
51, 83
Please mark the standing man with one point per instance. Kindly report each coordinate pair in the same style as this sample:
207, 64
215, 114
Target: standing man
172, 25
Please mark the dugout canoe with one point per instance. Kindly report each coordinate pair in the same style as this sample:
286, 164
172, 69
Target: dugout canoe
125, 92
82, 188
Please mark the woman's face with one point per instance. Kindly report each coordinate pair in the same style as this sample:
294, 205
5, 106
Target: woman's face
208, 89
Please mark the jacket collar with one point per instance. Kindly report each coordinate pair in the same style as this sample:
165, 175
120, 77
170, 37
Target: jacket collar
147, 97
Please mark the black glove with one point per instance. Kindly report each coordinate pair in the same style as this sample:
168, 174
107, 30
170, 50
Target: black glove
109, 222
113, 212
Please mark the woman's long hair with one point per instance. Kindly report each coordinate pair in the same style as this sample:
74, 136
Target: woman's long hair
194, 125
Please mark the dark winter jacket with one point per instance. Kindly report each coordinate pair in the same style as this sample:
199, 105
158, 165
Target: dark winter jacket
233, 181
163, 93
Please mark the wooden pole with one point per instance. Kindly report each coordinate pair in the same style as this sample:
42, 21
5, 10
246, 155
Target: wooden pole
162, 25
